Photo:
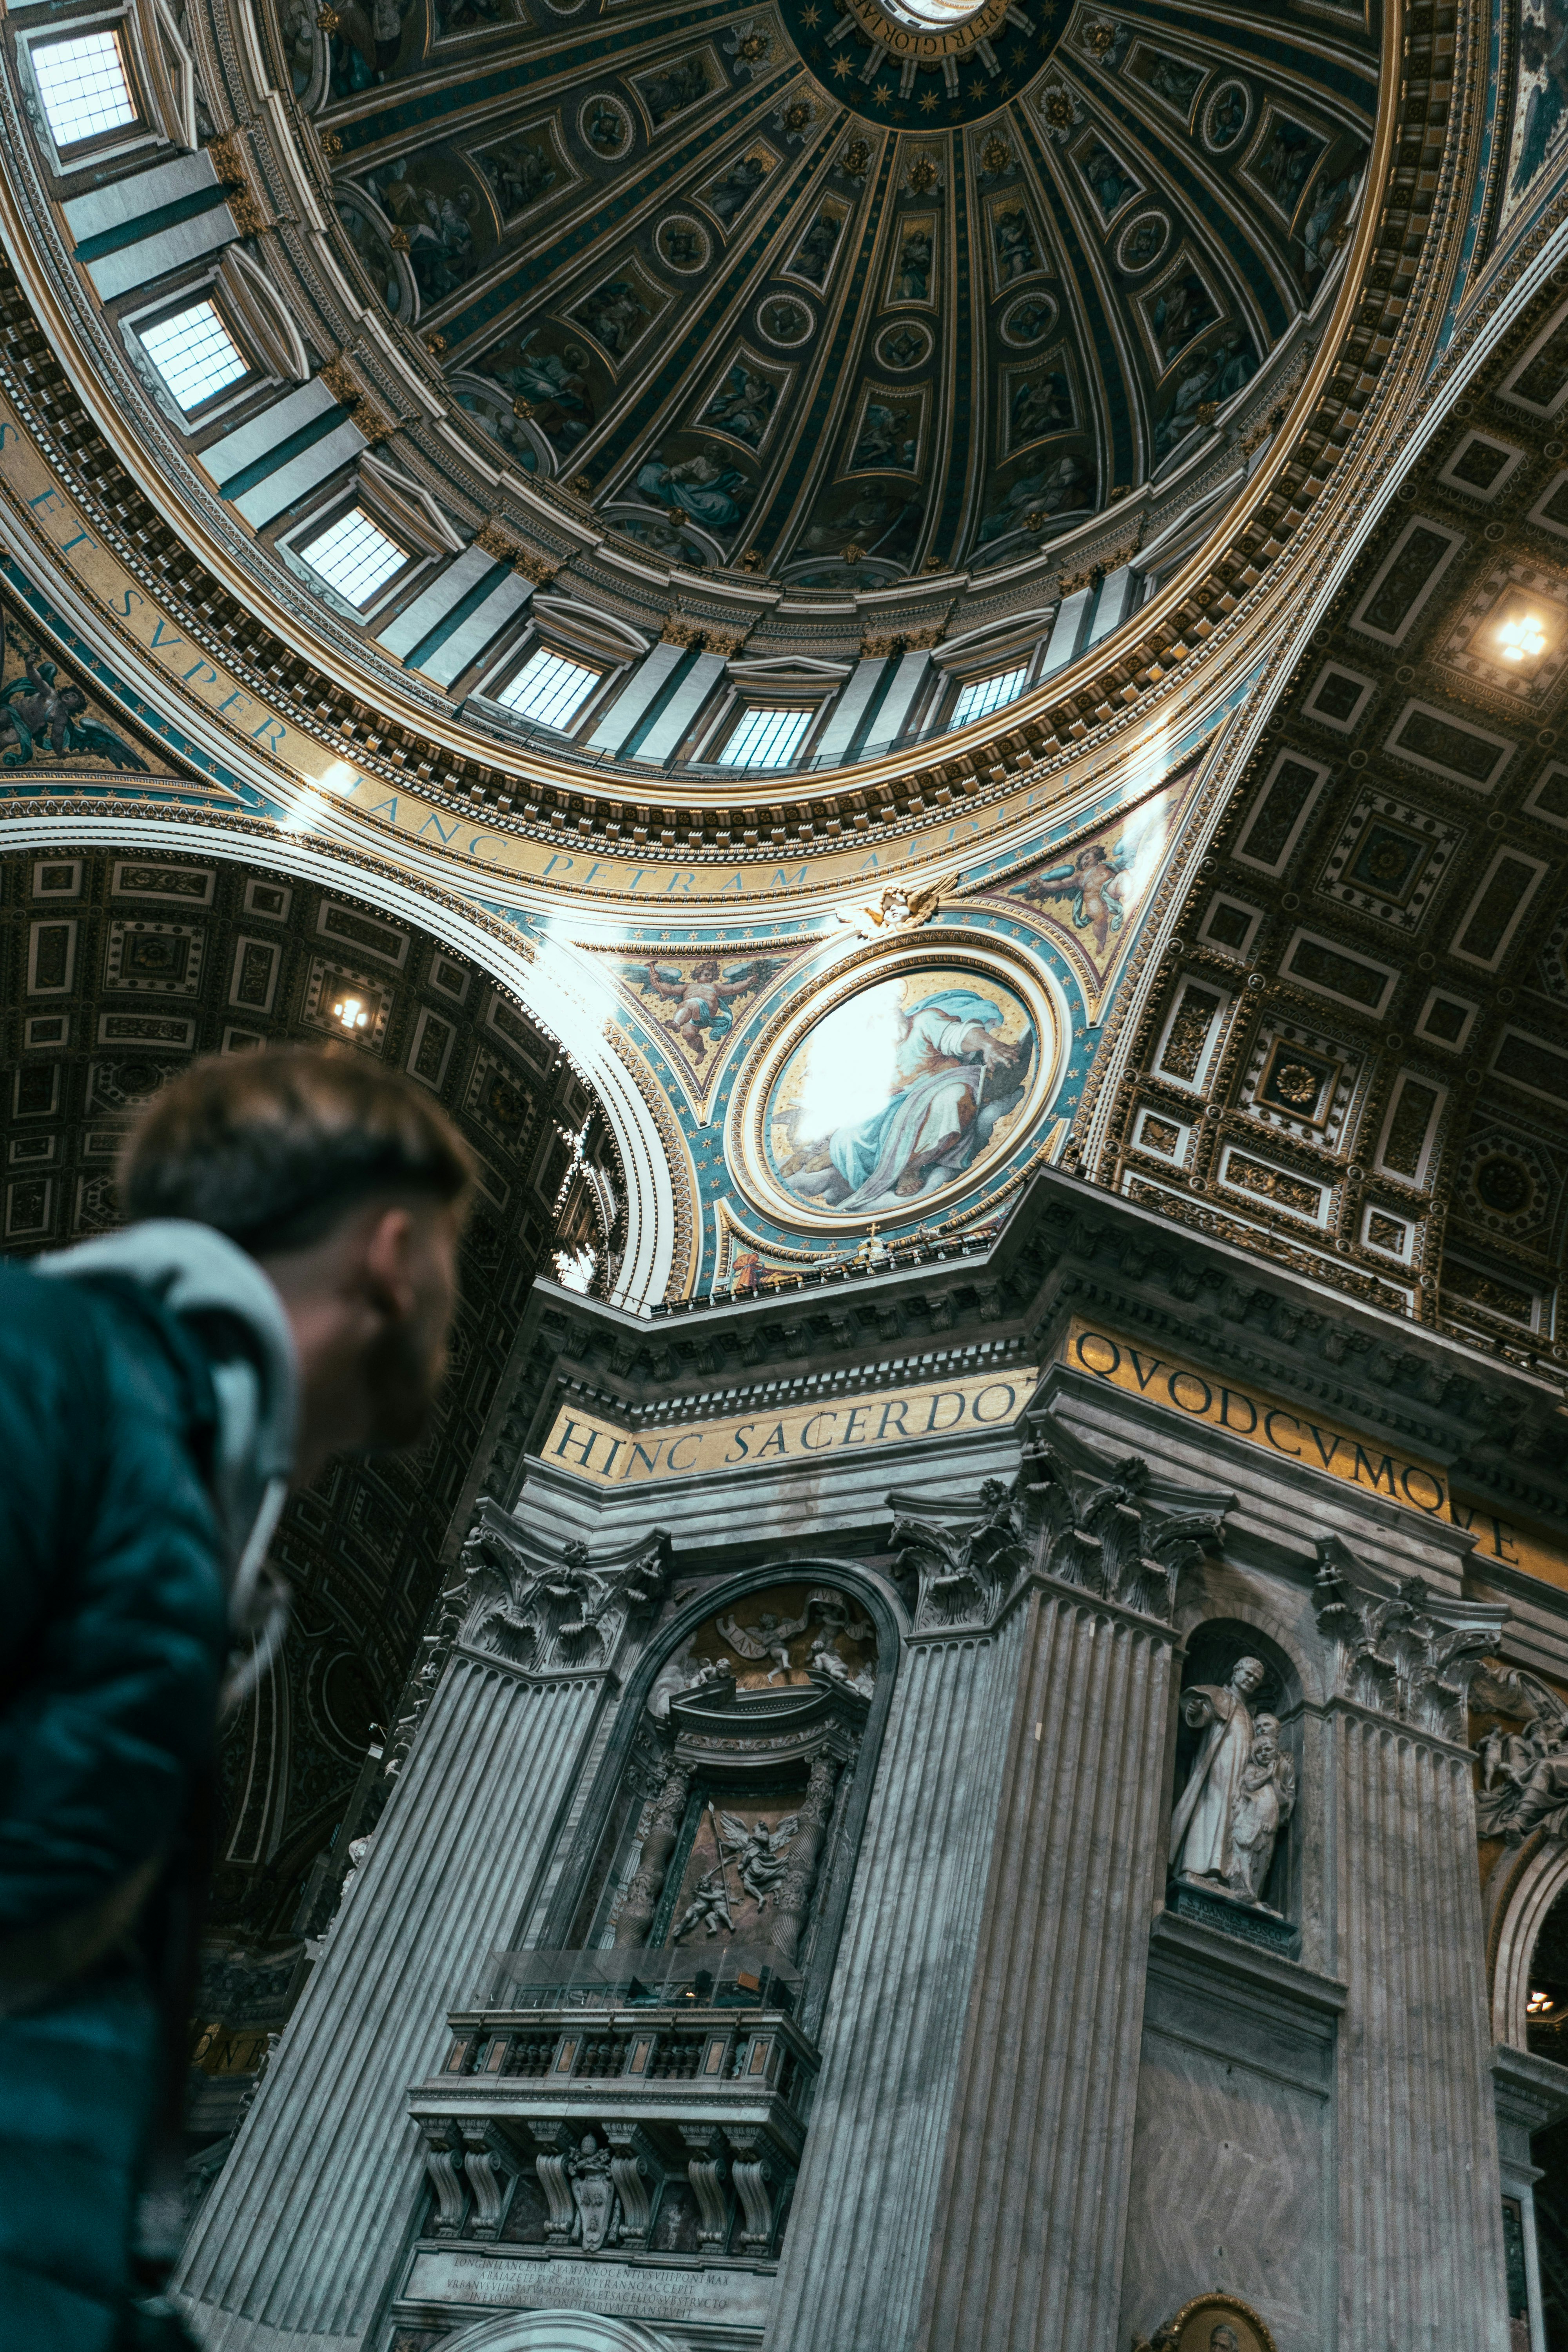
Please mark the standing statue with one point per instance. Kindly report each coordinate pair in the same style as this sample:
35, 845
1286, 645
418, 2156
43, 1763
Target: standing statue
1202, 1836
1263, 1803
592, 2193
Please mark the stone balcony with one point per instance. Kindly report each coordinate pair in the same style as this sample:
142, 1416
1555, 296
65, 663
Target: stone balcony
610, 2077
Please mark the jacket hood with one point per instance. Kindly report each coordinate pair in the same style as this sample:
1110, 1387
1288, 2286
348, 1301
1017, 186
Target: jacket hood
207, 1281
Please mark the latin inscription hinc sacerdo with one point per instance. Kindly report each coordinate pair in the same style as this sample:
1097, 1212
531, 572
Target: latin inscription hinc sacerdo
606, 1457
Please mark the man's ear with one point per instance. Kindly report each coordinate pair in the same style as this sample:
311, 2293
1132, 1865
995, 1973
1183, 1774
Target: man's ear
387, 1259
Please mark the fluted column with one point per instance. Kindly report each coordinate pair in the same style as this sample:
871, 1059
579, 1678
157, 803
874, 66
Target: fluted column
299, 2241
1421, 2254
861, 2219
1026, 2247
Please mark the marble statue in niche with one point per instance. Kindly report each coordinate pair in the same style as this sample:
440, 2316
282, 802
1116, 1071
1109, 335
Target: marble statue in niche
1240, 1792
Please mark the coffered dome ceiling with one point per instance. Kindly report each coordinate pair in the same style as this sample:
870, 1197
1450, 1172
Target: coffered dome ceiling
835, 291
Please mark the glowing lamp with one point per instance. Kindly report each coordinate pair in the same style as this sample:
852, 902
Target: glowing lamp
351, 1014
1521, 638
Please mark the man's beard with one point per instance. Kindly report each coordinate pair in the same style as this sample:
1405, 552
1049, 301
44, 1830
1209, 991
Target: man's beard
402, 1379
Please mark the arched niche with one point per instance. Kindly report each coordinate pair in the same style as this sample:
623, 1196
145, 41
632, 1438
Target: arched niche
735, 1723
1530, 1954
557, 2331
1214, 1645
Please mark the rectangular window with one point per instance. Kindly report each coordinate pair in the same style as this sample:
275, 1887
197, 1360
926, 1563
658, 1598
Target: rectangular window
766, 738
985, 694
354, 556
83, 86
195, 354
549, 688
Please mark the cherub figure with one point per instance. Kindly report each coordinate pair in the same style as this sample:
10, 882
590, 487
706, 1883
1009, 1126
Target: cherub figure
1265, 1796
703, 996
1094, 881
769, 1638
39, 715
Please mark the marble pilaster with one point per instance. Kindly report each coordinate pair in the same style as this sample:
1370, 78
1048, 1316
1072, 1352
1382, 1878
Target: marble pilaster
863, 2206
1027, 2246
298, 2244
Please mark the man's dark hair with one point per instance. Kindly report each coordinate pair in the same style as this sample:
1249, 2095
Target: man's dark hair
274, 1148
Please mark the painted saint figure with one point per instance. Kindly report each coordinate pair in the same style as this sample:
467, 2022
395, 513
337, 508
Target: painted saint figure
948, 1067
1202, 1831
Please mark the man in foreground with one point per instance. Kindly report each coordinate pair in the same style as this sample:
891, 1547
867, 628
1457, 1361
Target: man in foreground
281, 1292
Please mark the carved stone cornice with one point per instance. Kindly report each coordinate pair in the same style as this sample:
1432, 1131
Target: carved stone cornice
1067, 1515
556, 1614
1402, 1653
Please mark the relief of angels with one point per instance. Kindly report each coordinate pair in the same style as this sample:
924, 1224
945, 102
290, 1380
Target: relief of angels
702, 997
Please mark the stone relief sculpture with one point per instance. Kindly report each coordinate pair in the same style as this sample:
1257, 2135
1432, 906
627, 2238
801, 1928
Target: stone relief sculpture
755, 1853
1524, 1773
747, 1730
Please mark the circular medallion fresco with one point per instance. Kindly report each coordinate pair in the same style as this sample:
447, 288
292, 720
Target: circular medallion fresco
1029, 321
1226, 116
1142, 243
904, 346
907, 1089
682, 244
604, 126
785, 322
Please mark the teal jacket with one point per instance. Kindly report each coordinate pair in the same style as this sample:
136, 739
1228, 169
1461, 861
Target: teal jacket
146, 1421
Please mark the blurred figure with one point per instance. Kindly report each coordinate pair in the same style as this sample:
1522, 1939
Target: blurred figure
281, 1292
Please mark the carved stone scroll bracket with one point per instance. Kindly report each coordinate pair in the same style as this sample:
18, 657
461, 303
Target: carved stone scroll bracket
755, 2173
555, 2180
639, 2174
444, 2153
556, 1613
708, 2171
492, 2165
1405, 1652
